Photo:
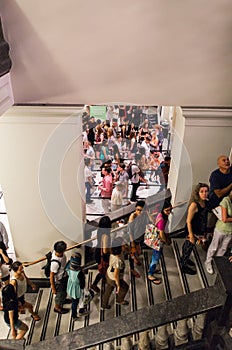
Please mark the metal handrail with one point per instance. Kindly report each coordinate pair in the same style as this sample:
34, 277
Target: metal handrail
26, 263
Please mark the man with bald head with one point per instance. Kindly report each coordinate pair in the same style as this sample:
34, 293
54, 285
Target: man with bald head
220, 181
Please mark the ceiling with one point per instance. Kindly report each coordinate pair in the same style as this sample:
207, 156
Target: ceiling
133, 51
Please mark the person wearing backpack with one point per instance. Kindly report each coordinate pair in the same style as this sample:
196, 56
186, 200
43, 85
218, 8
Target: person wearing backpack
59, 277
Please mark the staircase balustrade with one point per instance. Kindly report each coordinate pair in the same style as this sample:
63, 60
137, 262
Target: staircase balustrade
177, 322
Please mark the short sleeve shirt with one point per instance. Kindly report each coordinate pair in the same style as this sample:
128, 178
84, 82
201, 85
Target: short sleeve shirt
4, 271
218, 181
116, 262
225, 227
56, 268
88, 174
11, 306
135, 173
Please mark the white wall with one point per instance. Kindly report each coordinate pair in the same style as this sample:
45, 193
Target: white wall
199, 137
146, 52
40, 174
208, 134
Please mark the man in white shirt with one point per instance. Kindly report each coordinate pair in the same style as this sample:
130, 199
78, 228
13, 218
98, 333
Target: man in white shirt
58, 277
134, 181
146, 145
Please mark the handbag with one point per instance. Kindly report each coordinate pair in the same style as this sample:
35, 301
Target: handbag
151, 236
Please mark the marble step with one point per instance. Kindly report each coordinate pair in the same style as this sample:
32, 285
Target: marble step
141, 293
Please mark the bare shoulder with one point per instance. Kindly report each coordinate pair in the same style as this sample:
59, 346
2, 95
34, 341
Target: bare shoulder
132, 217
193, 207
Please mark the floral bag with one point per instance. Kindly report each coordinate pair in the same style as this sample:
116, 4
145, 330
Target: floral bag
151, 236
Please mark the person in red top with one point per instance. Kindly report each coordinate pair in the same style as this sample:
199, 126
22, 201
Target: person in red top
106, 188
160, 223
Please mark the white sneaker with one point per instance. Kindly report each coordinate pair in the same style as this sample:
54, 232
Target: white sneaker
209, 268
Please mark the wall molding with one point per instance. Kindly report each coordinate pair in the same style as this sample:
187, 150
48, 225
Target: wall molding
206, 117
41, 115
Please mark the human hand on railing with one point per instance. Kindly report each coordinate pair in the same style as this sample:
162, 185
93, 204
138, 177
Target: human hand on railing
192, 239
54, 291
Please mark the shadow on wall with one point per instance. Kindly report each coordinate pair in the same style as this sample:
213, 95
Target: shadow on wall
23, 43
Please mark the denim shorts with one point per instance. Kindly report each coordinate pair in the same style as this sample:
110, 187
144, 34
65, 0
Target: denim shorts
17, 324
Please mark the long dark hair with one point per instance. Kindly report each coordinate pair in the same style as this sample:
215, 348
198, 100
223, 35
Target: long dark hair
166, 205
104, 227
8, 294
195, 193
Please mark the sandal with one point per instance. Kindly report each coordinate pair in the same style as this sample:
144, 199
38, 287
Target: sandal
135, 274
36, 317
154, 280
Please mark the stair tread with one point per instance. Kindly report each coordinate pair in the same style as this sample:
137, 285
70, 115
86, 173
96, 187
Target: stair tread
144, 291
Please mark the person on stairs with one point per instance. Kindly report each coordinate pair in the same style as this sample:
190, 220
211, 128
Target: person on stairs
20, 282
220, 186
196, 225
5, 263
4, 235
222, 236
160, 223
102, 251
76, 285
114, 275
136, 227
11, 314
59, 277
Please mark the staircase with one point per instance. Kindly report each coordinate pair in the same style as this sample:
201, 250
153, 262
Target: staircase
142, 294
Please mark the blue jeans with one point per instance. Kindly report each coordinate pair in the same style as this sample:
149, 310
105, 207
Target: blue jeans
75, 303
88, 193
154, 261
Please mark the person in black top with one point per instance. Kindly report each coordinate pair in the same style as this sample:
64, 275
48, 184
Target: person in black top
4, 258
196, 225
11, 315
102, 251
220, 181
91, 126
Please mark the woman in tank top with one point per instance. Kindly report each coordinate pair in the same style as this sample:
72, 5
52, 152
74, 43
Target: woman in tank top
20, 282
196, 225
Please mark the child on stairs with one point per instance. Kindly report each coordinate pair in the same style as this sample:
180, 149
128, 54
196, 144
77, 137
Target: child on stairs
76, 285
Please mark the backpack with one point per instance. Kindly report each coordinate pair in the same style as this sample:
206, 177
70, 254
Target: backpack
47, 267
